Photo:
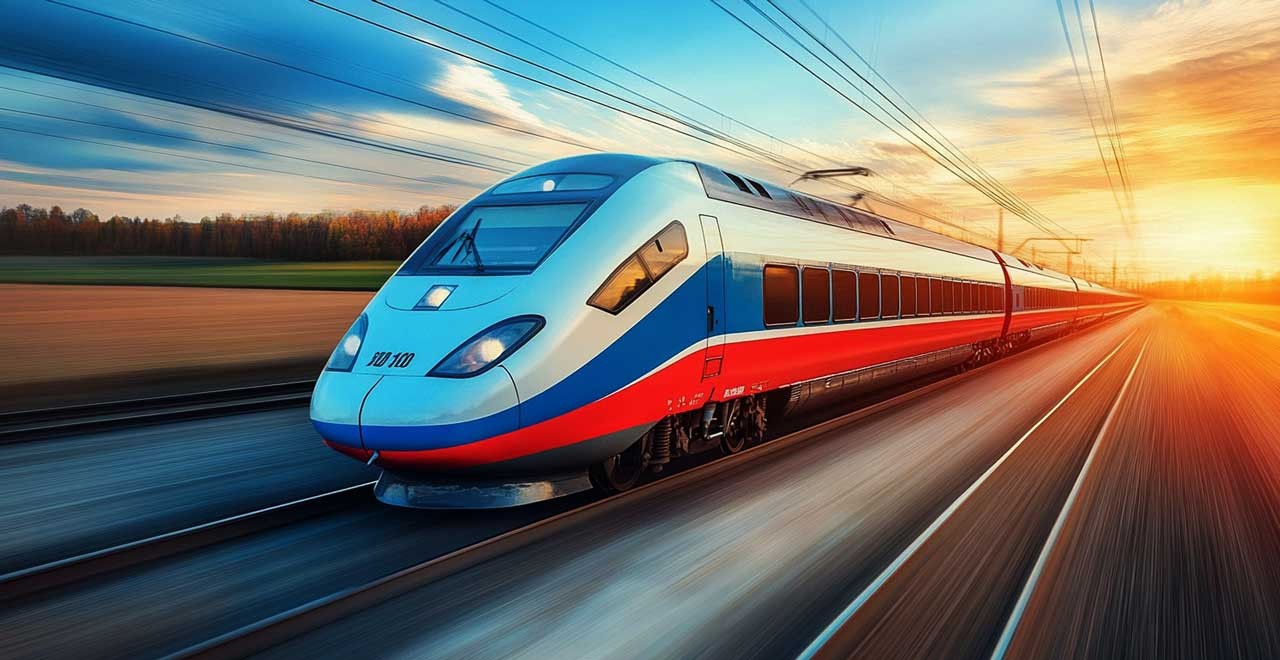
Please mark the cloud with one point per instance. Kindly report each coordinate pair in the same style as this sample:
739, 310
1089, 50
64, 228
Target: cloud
474, 85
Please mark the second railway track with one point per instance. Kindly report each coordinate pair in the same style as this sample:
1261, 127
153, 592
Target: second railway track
26, 582
25, 425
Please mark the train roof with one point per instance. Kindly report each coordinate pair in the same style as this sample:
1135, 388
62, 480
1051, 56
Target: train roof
727, 186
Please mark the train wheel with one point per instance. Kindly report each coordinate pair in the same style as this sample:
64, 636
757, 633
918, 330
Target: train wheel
746, 425
621, 471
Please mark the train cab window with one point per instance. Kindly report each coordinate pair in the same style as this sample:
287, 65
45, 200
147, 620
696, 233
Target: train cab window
936, 287
868, 296
844, 295
816, 295
908, 296
888, 296
639, 271
496, 238
781, 295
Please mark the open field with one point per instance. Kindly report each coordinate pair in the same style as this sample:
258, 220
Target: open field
79, 343
197, 271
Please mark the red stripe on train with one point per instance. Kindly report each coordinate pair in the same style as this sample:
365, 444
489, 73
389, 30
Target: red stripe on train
771, 362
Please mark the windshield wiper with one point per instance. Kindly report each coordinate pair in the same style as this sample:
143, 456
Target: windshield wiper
467, 240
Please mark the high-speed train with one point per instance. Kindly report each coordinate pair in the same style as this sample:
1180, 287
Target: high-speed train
594, 317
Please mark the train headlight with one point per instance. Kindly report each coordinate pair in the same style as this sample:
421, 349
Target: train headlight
344, 356
485, 350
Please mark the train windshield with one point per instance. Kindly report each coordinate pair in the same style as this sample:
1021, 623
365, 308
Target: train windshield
502, 237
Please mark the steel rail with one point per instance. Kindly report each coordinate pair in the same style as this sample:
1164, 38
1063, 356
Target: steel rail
26, 582
24, 425
273, 630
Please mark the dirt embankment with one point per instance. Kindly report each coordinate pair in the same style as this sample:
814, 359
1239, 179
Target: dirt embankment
72, 344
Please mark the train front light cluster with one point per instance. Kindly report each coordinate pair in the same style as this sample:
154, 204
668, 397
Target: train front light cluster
485, 350
348, 349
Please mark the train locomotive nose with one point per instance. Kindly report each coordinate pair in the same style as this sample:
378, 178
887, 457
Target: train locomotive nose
415, 413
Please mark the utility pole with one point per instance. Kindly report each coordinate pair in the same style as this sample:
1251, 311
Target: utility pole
1000, 231
1113, 268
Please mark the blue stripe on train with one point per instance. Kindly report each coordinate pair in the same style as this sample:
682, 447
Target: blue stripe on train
673, 325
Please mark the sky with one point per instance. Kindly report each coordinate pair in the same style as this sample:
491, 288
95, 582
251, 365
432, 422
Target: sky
159, 109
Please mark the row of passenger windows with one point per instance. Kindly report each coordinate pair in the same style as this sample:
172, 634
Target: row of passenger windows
1091, 298
1038, 298
847, 295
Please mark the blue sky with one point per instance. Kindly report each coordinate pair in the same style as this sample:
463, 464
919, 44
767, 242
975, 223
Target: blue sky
122, 118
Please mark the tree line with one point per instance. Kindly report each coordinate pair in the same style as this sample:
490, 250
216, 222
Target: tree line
327, 236
1256, 288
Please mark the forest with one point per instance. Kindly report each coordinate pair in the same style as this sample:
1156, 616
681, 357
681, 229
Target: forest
326, 236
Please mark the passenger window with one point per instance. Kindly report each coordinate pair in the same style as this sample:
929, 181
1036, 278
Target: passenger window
781, 295
868, 296
639, 271
888, 296
844, 295
908, 296
949, 290
936, 296
816, 293
970, 297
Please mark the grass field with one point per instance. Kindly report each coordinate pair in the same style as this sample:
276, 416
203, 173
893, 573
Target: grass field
75, 344
197, 271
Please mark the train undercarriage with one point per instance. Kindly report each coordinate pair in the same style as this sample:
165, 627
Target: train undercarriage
731, 426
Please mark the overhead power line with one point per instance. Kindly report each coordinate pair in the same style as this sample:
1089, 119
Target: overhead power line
221, 145
738, 145
313, 126
999, 197
976, 176
915, 116
323, 76
1123, 208
206, 160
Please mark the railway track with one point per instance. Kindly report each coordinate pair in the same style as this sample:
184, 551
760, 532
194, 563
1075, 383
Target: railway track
280, 627
19, 586
26, 582
25, 425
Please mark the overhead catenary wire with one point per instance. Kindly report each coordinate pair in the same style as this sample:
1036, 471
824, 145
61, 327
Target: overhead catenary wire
786, 164
928, 126
323, 76
264, 117
1019, 206
207, 160
629, 70
1115, 121
712, 134
221, 145
927, 150
139, 94
992, 195
707, 137
1084, 97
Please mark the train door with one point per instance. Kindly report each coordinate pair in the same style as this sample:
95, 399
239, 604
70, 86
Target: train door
716, 269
